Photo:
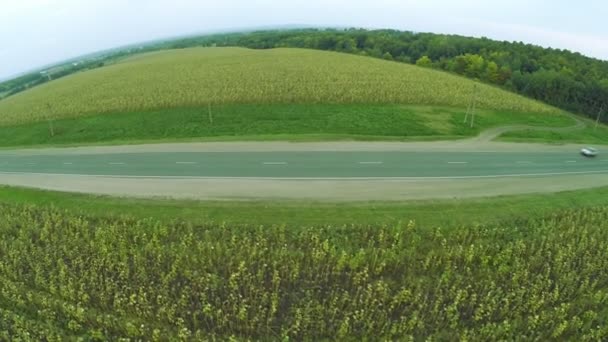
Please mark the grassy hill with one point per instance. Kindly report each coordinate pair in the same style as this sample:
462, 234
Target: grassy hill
219, 92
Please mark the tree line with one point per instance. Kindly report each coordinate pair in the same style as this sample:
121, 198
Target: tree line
30, 80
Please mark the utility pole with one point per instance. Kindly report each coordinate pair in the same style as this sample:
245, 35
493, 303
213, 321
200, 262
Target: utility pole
50, 120
599, 114
466, 115
210, 115
47, 74
471, 107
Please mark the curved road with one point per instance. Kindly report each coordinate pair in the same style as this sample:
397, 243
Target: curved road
309, 165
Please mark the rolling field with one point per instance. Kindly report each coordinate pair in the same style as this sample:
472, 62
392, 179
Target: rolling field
200, 76
281, 94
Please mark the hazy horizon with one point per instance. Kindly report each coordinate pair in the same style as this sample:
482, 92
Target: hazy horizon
38, 33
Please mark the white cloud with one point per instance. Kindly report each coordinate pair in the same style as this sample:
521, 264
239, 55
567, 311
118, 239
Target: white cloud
28, 6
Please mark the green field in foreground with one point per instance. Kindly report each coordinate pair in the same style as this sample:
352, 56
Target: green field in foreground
65, 275
447, 213
271, 122
199, 76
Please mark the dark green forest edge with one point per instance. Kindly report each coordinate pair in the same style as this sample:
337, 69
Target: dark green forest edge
565, 79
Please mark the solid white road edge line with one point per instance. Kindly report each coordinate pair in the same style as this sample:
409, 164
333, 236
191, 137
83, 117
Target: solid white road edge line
314, 178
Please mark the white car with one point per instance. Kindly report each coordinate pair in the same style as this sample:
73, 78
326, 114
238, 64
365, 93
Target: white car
589, 152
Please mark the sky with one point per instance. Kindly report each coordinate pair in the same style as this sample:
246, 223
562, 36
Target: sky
34, 33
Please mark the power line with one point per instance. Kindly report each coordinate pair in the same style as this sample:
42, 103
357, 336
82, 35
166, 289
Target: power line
209, 113
50, 120
599, 114
471, 107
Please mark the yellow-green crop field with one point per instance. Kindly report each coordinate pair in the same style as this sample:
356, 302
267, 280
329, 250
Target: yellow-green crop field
200, 76
65, 277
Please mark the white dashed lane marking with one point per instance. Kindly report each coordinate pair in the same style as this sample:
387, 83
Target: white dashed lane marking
371, 162
185, 163
116, 163
274, 163
457, 162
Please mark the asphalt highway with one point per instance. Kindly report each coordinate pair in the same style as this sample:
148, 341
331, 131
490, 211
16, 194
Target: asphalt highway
309, 165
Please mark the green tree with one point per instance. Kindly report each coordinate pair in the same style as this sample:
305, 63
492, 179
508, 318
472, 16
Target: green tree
405, 59
424, 61
459, 65
475, 65
492, 73
505, 74
346, 45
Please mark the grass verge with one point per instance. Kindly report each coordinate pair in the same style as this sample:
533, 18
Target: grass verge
269, 122
428, 213
588, 135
